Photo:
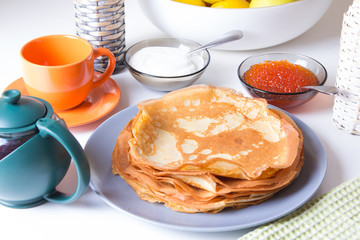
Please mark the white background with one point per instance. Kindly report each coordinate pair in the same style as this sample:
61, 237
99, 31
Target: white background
90, 217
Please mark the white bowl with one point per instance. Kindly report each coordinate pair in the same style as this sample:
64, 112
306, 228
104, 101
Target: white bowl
262, 27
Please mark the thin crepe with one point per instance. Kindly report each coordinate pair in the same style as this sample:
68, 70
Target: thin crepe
155, 152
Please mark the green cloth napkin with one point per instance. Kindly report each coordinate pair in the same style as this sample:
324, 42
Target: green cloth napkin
334, 215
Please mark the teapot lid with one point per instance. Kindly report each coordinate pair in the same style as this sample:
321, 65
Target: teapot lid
18, 111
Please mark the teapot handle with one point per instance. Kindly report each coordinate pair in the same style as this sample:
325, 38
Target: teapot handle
49, 127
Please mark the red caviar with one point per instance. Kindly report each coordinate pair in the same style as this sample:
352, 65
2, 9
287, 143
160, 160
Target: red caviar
279, 76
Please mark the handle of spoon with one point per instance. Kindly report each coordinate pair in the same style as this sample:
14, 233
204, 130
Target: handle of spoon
330, 90
228, 37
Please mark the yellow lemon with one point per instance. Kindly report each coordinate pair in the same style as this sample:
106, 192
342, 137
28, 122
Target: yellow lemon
212, 1
231, 4
268, 3
192, 2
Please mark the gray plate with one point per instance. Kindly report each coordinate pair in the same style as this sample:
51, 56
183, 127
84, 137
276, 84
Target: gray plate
115, 192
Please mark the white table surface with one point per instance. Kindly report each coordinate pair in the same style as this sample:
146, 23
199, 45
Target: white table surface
90, 217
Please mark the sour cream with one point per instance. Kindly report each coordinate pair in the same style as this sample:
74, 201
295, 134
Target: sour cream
166, 61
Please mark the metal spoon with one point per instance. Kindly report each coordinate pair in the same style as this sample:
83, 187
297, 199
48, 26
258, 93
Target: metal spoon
330, 90
228, 37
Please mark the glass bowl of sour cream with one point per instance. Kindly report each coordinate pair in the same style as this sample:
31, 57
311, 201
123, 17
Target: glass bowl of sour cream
165, 64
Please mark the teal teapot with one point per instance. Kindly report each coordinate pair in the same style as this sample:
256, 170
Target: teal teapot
36, 150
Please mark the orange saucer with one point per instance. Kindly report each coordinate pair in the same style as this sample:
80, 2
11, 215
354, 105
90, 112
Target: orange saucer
101, 101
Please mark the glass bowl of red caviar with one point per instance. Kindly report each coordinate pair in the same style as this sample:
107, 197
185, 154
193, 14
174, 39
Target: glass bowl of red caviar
279, 77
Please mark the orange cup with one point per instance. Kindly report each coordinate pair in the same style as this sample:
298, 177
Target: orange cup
60, 69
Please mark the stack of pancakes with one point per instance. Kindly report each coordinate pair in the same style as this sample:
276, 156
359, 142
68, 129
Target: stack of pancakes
205, 148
